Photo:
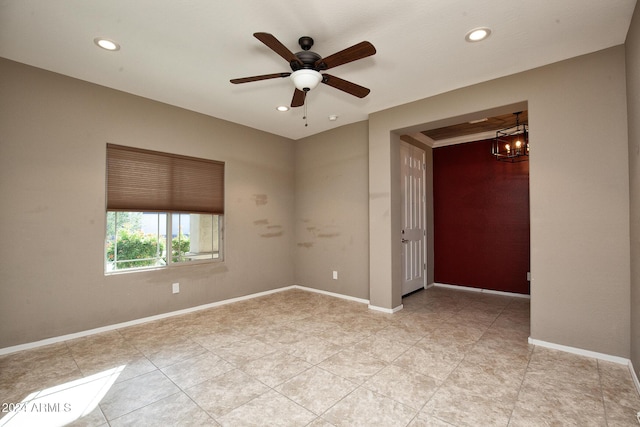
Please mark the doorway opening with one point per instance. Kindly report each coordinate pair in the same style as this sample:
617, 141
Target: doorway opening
478, 232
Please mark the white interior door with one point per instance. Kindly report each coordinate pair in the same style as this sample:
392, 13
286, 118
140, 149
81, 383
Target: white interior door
414, 228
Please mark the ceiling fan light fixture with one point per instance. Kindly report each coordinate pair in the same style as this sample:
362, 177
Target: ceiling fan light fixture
477, 34
305, 79
282, 108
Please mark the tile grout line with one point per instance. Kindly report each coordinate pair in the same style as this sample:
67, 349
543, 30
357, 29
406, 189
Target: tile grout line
445, 379
524, 376
604, 404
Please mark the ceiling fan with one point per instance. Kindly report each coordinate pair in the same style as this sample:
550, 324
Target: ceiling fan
306, 66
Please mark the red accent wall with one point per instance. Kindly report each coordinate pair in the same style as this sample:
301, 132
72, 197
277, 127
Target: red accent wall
481, 219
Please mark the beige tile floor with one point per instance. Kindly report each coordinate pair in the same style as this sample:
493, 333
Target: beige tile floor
297, 358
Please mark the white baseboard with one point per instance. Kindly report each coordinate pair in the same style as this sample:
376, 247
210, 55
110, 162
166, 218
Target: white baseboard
54, 340
484, 291
107, 328
331, 294
592, 354
386, 310
350, 298
580, 352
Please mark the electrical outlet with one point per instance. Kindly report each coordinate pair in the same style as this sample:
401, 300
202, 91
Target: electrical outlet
176, 288
335, 275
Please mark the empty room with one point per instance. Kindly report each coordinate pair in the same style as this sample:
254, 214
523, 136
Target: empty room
424, 213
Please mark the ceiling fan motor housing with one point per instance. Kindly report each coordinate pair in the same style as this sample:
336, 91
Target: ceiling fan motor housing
308, 59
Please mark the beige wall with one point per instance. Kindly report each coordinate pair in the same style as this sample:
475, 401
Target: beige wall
331, 194
579, 182
53, 131
633, 105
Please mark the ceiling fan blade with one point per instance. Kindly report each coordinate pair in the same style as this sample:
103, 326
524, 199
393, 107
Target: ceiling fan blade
353, 53
257, 78
298, 98
275, 45
345, 86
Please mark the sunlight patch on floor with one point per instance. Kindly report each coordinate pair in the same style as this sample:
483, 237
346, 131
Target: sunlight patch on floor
62, 404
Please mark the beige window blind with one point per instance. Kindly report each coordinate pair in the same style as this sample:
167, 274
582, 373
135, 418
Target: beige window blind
152, 181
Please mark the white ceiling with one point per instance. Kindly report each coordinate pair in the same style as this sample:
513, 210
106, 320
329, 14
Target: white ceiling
183, 52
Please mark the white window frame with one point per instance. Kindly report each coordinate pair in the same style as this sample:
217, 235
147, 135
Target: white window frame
168, 241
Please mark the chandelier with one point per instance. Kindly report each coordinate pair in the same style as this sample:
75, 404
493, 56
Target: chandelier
512, 143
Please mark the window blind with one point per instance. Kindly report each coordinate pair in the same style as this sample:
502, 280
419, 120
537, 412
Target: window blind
152, 181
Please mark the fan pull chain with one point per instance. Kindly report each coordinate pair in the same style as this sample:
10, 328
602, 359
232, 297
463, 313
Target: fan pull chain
305, 113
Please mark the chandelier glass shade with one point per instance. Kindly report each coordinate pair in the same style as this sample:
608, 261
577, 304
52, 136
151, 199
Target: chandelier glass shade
512, 144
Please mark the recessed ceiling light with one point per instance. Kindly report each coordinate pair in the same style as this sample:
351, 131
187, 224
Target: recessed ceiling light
106, 44
282, 108
478, 34
333, 117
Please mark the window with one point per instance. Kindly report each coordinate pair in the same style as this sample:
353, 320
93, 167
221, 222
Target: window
162, 209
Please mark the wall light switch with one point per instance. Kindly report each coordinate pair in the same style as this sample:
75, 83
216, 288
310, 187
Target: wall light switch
335, 275
176, 288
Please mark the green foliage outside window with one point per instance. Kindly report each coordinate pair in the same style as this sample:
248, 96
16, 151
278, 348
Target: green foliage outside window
129, 220
137, 248
131, 242
180, 245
